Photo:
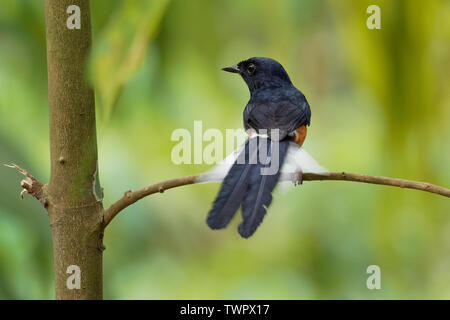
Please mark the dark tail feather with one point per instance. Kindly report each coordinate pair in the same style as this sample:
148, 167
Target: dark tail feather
232, 191
259, 189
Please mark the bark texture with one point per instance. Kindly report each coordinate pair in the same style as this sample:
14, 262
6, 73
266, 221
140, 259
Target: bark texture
73, 194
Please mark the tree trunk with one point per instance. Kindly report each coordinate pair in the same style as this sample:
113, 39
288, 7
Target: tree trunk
73, 195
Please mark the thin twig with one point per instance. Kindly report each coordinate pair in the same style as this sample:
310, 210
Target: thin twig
131, 197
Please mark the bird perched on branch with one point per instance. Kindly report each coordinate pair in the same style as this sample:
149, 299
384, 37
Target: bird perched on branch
276, 119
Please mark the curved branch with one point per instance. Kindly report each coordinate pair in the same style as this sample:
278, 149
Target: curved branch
131, 197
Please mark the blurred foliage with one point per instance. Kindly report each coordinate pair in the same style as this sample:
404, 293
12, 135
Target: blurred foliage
380, 105
121, 48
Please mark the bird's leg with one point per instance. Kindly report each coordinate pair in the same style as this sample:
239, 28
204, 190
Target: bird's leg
298, 177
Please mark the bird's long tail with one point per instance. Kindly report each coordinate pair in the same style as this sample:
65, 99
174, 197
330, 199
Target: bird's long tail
232, 190
250, 182
260, 186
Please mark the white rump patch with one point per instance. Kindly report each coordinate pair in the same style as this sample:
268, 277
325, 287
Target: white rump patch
219, 172
296, 159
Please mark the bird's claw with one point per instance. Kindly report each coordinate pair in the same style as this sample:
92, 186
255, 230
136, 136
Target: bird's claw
298, 177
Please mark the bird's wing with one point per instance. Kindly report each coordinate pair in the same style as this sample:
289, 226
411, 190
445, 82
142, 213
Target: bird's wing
284, 114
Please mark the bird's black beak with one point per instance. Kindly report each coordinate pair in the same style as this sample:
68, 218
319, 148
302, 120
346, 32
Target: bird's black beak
233, 69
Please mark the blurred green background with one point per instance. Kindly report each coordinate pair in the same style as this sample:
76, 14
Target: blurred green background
380, 104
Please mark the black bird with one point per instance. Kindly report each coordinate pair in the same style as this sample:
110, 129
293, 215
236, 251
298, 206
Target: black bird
277, 113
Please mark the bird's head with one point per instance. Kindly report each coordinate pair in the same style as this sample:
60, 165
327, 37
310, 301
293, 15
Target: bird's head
260, 73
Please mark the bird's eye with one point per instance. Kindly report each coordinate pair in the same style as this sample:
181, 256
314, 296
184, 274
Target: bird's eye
251, 69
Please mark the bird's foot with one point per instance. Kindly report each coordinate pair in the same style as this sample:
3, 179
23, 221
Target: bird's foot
298, 177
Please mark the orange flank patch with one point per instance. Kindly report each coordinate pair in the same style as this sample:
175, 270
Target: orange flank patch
300, 135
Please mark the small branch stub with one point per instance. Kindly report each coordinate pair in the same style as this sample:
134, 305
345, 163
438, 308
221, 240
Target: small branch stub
30, 185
